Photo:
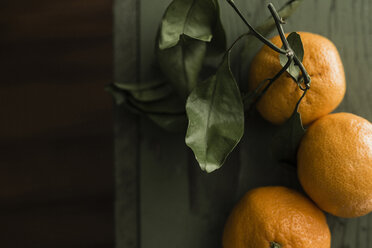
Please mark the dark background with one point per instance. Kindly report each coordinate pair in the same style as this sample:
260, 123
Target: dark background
56, 162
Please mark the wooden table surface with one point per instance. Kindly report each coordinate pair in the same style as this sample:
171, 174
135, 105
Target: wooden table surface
56, 139
163, 199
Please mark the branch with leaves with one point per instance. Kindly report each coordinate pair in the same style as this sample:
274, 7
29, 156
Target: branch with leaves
191, 31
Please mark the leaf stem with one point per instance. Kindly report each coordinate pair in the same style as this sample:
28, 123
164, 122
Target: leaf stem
289, 51
307, 78
231, 46
292, 57
237, 39
272, 80
254, 32
299, 100
278, 23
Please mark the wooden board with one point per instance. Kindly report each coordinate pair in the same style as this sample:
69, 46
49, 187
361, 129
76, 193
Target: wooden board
180, 206
56, 139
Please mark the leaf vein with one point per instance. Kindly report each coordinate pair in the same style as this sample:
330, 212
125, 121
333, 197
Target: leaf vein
208, 120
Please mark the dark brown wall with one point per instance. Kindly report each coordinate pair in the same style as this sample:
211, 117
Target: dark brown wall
56, 163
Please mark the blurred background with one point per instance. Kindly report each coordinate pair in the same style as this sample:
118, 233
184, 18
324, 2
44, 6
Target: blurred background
56, 163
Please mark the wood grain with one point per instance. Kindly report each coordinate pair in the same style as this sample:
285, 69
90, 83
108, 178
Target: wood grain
56, 139
186, 208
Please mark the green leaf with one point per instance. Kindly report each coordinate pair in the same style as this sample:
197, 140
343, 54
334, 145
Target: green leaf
216, 118
182, 64
171, 105
153, 94
287, 138
295, 43
193, 18
117, 94
146, 91
190, 29
168, 113
139, 86
166, 110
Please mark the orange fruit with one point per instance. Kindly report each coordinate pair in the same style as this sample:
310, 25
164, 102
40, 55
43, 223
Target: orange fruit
335, 164
274, 217
322, 62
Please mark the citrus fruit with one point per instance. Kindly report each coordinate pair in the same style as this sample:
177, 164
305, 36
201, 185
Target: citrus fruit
335, 164
323, 64
274, 217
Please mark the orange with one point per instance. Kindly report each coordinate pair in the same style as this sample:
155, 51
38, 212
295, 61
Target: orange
335, 164
322, 62
274, 217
